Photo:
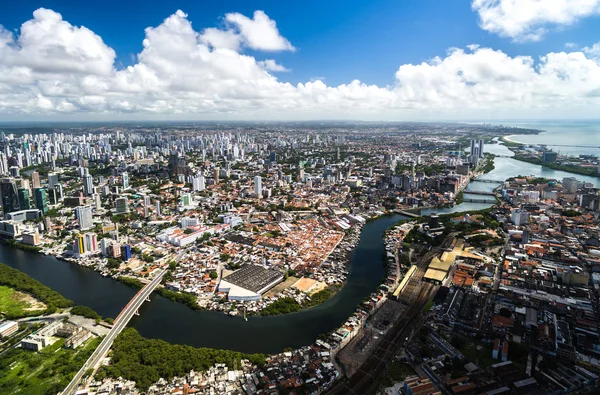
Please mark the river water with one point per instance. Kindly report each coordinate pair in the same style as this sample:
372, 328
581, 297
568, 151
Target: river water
177, 323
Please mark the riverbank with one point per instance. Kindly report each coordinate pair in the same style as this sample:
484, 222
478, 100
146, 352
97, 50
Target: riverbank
573, 169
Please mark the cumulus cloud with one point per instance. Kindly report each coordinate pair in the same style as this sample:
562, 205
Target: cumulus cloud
51, 67
260, 32
271, 65
529, 20
593, 51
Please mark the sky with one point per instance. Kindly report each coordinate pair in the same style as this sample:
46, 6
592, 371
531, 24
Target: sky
388, 60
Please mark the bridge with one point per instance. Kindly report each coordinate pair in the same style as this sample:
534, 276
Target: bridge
119, 324
408, 214
488, 181
479, 201
484, 193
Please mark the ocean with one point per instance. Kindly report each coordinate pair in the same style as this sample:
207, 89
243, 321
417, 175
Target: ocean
558, 135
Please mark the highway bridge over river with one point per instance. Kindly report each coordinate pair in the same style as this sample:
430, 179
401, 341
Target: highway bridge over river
119, 324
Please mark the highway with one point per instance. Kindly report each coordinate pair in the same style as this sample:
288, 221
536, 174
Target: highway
119, 324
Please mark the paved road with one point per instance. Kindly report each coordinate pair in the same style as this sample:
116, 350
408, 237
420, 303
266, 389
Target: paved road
51, 317
120, 322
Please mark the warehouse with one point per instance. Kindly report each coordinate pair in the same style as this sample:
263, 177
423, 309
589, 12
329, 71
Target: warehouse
249, 282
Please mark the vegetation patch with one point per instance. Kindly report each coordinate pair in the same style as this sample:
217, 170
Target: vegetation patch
15, 304
20, 281
146, 360
25, 247
46, 372
282, 306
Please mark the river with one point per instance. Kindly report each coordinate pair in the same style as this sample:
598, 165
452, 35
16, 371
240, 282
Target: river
177, 323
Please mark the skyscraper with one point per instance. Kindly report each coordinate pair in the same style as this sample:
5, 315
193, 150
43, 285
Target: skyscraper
24, 200
88, 184
41, 200
198, 183
35, 179
9, 196
122, 205
481, 148
52, 180
258, 186
216, 172
84, 215
125, 177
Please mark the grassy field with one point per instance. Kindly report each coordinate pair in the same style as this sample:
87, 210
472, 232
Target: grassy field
46, 372
16, 304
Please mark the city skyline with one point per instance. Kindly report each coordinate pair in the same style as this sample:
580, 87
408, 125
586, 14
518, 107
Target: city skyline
378, 62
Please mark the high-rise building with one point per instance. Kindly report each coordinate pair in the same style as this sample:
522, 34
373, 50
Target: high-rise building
91, 243
88, 184
35, 179
549, 157
84, 215
13, 171
186, 200
122, 205
198, 184
258, 186
125, 177
216, 172
519, 217
53, 196
570, 184
41, 200
24, 199
481, 148
158, 213
126, 252
9, 195
78, 246
52, 180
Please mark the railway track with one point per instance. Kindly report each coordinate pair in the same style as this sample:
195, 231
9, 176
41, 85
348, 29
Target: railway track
415, 295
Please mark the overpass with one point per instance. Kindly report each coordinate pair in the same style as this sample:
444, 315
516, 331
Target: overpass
119, 324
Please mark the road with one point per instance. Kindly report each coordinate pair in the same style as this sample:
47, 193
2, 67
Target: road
51, 317
120, 322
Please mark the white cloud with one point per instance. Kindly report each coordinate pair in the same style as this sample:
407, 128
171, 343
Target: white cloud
271, 65
593, 51
53, 69
260, 32
529, 20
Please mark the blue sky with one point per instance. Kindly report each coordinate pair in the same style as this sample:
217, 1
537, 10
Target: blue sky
335, 41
